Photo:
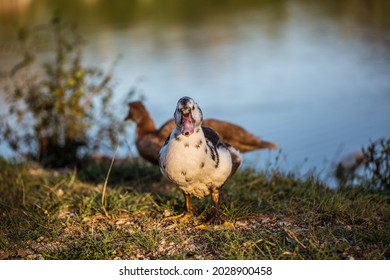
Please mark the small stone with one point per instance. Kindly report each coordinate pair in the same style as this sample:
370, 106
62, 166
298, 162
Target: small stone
167, 213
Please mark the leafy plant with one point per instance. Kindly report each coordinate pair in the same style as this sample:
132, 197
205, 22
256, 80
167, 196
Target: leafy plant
62, 109
377, 165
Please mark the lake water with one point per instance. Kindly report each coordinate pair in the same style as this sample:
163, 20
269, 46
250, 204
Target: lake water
312, 76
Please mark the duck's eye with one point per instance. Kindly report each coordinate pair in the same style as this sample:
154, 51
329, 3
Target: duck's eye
193, 107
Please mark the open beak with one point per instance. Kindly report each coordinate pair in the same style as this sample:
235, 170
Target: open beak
187, 124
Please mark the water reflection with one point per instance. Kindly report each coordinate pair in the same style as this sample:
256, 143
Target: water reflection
312, 76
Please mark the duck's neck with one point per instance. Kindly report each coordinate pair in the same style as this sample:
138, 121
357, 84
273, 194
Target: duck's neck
145, 126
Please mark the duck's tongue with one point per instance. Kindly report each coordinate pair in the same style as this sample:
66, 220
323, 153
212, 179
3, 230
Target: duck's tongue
188, 125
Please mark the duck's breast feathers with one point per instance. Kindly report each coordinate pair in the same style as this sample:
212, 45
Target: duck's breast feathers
166, 142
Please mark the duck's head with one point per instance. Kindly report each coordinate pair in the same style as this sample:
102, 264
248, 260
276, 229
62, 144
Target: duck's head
188, 115
137, 112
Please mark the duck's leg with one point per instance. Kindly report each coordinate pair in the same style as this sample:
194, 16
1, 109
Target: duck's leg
189, 210
215, 219
189, 207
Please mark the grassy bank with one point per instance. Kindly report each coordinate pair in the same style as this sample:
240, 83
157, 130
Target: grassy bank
48, 214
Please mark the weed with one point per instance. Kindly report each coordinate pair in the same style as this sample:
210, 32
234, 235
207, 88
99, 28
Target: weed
56, 110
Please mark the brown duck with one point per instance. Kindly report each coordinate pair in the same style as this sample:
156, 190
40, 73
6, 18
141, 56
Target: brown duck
149, 140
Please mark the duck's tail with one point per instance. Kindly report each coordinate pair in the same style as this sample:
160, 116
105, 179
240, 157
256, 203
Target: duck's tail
268, 145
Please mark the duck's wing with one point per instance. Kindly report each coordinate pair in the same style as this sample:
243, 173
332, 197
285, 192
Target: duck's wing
211, 135
236, 159
165, 130
218, 142
237, 136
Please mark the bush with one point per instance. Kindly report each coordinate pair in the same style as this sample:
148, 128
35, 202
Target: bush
61, 109
377, 165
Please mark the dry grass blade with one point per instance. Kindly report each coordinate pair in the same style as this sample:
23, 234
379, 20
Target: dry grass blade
106, 181
292, 235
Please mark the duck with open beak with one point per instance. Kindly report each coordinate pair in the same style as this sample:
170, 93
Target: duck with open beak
196, 160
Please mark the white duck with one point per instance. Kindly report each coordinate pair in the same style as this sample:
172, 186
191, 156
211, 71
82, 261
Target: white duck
194, 158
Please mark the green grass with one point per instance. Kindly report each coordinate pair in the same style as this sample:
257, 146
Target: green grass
57, 214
